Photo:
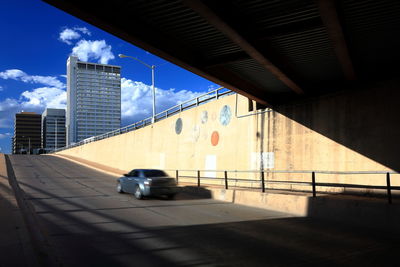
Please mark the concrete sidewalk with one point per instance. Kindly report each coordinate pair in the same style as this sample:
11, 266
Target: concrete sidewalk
16, 248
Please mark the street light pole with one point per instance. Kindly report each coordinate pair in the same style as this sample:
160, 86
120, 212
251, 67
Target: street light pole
152, 67
154, 94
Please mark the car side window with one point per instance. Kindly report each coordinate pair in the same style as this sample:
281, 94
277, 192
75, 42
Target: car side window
133, 173
141, 174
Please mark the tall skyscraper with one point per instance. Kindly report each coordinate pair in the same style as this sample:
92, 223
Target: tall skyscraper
27, 133
93, 99
53, 129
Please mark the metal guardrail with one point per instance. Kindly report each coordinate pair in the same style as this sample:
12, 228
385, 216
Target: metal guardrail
195, 102
263, 182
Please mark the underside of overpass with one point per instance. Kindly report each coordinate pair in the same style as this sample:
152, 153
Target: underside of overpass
329, 66
273, 52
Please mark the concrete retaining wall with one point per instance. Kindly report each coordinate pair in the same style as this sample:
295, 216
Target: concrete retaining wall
367, 212
352, 131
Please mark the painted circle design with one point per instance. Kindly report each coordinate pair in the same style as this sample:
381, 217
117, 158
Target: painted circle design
204, 116
178, 126
225, 115
214, 138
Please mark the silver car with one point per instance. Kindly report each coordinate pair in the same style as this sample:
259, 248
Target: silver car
147, 182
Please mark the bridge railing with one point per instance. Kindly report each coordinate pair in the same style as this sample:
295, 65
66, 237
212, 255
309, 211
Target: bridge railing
202, 99
379, 182
195, 102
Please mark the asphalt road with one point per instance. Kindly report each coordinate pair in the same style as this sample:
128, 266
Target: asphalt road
87, 223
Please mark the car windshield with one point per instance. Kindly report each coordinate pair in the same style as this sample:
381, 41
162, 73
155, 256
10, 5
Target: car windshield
154, 173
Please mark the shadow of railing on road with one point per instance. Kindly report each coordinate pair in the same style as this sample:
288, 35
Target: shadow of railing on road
114, 241
87, 236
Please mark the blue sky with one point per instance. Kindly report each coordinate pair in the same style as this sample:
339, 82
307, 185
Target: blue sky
35, 42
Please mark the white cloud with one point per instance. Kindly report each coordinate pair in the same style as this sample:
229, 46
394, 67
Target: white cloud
46, 80
36, 100
83, 30
97, 50
67, 35
213, 87
12, 74
86, 50
4, 135
52, 95
8, 108
8, 103
6, 122
137, 100
44, 97
1, 88
19, 75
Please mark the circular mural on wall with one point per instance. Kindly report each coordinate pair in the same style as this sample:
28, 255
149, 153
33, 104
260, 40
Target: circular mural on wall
204, 116
214, 138
178, 126
225, 115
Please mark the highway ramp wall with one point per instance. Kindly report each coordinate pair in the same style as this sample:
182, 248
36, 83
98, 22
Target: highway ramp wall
356, 130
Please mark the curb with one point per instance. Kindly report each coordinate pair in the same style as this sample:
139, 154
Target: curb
44, 252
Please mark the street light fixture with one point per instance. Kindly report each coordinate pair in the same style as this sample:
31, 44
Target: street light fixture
152, 67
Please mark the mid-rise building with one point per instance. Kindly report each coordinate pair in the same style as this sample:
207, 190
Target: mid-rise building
93, 99
27, 133
53, 129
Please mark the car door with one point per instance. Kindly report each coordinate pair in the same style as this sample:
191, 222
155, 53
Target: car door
130, 181
139, 178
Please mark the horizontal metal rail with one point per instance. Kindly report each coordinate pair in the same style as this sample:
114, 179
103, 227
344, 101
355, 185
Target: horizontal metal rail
296, 171
264, 183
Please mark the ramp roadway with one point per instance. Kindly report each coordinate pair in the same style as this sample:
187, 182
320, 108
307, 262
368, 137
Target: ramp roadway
87, 223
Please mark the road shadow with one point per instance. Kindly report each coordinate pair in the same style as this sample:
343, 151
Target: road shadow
115, 241
194, 192
185, 193
83, 233
374, 213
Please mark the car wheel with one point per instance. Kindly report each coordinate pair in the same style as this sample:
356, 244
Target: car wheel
138, 193
119, 188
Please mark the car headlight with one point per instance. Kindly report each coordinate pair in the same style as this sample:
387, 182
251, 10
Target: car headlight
147, 182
